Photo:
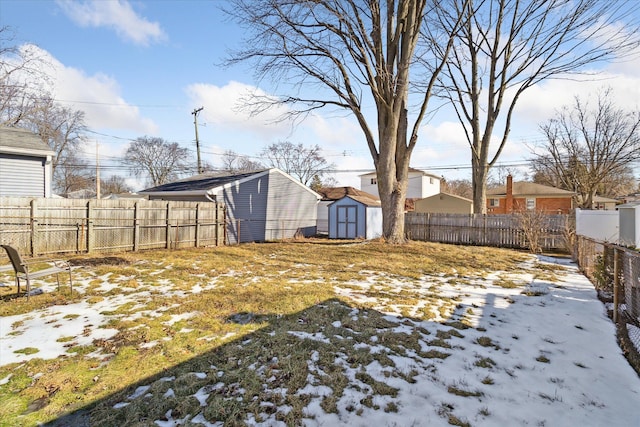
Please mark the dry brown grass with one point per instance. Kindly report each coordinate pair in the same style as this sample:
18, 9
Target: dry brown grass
279, 287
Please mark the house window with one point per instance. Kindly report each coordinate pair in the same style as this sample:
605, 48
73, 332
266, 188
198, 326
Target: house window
430, 180
374, 181
494, 203
531, 204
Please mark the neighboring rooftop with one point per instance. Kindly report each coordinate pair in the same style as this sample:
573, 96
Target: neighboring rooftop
204, 181
529, 189
22, 141
337, 193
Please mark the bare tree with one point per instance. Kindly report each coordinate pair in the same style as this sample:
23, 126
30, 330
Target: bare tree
115, 184
234, 163
458, 187
317, 183
302, 162
617, 185
72, 174
159, 160
21, 78
533, 224
61, 128
350, 55
586, 146
507, 46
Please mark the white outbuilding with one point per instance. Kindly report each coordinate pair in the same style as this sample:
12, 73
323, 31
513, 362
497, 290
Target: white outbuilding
629, 224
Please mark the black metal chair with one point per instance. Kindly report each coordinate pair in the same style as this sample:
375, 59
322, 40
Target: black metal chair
23, 269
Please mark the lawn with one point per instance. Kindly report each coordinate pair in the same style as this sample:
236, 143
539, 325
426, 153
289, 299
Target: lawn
314, 333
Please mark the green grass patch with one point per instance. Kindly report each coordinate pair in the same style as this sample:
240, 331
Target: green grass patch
27, 350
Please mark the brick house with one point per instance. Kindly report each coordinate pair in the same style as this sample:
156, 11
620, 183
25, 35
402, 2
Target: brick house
519, 196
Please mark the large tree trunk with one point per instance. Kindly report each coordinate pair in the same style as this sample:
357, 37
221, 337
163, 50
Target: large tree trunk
392, 193
479, 175
392, 168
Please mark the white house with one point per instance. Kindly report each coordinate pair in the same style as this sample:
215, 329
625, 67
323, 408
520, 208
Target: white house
421, 184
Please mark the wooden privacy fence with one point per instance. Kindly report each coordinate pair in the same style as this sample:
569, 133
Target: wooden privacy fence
46, 226
615, 272
509, 231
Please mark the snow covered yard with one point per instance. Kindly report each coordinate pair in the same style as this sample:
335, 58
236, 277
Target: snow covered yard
288, 334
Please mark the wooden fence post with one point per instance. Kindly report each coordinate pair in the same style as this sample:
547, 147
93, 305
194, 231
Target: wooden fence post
168, 227
221, 224
34, 228
198, 214
136, 227
90, 231
78, 238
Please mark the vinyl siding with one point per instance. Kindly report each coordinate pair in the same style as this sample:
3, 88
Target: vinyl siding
269, 206
21, 176
246, 209
291, 208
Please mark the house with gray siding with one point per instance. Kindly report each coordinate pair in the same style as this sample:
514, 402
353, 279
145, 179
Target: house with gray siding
25, 164
265, 205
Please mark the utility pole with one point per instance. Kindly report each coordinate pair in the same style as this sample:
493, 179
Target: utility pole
195, 123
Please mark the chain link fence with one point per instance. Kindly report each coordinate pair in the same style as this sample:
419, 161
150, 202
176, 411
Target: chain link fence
615, 272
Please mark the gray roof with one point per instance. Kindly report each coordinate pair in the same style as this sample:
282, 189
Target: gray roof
22, 141
202, 182
530, 189
207, 184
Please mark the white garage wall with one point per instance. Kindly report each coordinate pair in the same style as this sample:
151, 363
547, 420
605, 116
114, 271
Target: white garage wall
599, 225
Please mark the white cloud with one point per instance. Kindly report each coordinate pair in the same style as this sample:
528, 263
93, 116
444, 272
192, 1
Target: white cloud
222, 108
97, 95
541, 102
338, 133
114, 14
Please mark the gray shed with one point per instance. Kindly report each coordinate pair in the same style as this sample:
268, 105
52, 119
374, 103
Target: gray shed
261, 206
25, 164
330, 195
629, 224
353, 217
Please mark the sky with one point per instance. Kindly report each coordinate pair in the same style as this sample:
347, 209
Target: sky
546, 371
140, 68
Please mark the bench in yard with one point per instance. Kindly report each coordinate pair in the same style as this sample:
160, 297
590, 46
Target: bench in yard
24, 270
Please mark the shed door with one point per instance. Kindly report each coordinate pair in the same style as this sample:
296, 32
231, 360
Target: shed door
347, 222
